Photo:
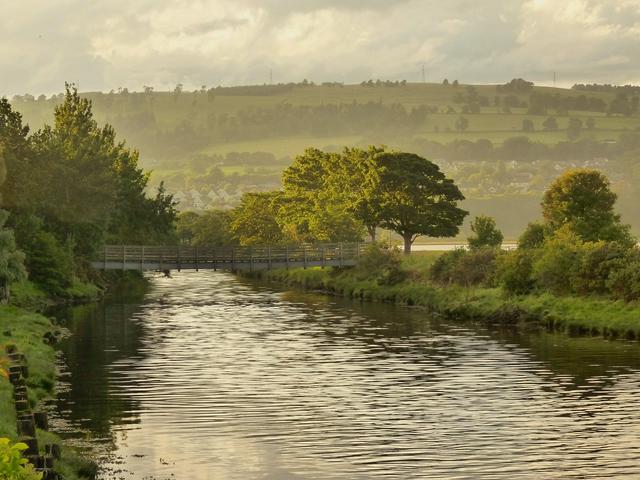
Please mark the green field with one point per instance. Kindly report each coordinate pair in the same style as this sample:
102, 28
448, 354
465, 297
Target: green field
181, 137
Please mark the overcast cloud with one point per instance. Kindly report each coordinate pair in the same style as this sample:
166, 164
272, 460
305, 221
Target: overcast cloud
131, 43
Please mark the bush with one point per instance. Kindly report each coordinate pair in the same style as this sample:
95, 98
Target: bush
465, 268
515, 272
532, 237
556, 268
381, 263
442, 269
477, 267
48, 261
624, 278
599, 260
12, 465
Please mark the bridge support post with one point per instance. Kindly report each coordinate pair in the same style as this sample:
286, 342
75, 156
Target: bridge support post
124, 257
233, 259
304, 253
178, 258
341, 255
286, 254
142, 260
105, 257
323, 257
215, 263
251, 259
269, 257
196, 259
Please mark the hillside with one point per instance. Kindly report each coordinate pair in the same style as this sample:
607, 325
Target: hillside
502, 144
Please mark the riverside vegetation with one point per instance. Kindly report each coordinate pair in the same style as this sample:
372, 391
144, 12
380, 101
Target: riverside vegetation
577, 270
65, 191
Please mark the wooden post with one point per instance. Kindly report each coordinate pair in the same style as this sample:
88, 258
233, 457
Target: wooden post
251, 259
105, 257
233, 259
178, 257
124, 256
322, 254
196, 253
304, 253
341, 254
286, 254
142, 259
215, 263
269, 257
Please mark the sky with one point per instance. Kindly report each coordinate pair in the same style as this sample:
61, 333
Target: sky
108, 44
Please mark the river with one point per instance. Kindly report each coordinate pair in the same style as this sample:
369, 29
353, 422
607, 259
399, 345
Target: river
213, 377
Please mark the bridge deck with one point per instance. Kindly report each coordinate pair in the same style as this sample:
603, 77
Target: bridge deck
130, 257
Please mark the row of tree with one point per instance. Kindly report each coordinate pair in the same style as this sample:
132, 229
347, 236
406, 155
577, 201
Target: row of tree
72, 186
331, 197
579, 248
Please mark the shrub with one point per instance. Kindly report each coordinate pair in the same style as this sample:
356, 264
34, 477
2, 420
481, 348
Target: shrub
599, 260
48, 261
381, 263
12, 465
532, 237
557, 266
515, 272
477, 267
442, 269
465, 268
624, 281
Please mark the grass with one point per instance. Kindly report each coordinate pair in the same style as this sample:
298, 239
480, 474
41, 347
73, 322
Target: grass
26, 330
574, 315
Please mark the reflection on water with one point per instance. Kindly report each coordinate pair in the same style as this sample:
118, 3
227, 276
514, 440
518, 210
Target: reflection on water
212, 378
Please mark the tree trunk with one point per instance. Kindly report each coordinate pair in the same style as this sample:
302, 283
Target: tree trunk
372, 233
408, 241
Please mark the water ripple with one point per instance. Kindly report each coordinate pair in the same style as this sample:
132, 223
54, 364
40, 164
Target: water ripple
212, 378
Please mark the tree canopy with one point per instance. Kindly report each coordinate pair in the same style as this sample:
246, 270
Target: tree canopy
582, 201
413, 197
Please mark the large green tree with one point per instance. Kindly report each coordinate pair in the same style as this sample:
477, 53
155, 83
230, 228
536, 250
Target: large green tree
413, 197
581, 200
254, 221
317, 201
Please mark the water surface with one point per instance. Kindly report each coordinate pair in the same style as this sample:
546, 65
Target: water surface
210, 377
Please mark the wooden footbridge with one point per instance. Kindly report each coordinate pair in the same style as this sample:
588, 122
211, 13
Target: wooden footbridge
161, 258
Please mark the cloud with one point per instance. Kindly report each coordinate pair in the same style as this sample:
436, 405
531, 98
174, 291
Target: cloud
105, 45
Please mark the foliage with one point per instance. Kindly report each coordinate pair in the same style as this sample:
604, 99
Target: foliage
581, 200
11, 259
557, 265
413, 197
624, 282
599, 261
466, 268
73, 186
485, 233
318, 199
381, 263
443, 269
212, 227
12, 465
50, 262
532, 237
254, 221
515, 272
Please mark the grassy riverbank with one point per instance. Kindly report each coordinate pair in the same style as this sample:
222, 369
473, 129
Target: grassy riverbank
575, 315
27, 331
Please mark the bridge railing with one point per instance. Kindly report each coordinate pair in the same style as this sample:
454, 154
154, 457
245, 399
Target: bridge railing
170, 257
